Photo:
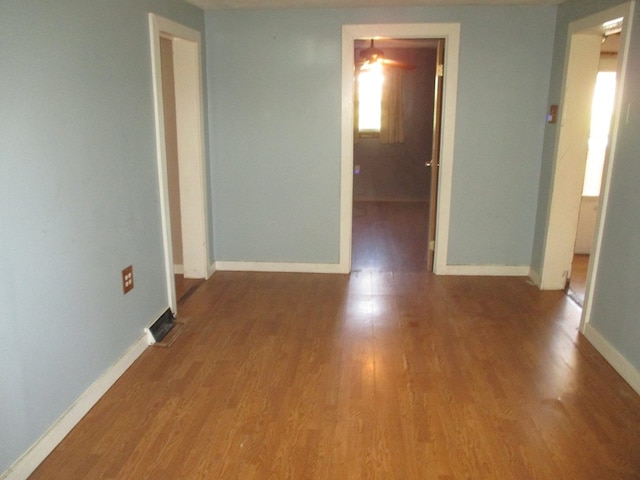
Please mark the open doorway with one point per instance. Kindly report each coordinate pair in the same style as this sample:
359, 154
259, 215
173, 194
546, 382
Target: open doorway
601, 113
178, 96
584, 44
350, 33
393, 142
185, 282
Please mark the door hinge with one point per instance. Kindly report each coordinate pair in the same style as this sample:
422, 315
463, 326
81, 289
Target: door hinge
440, 70
432, 245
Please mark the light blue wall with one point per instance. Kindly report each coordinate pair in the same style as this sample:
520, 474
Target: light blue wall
274, 92
275, 108
79, 200
615, 303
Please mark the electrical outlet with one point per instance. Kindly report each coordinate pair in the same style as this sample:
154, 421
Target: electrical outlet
127, 279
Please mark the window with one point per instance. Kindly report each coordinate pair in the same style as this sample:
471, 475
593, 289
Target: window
601, 110
370, 82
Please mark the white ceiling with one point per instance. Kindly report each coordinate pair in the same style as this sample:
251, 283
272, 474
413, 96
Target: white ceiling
230, 4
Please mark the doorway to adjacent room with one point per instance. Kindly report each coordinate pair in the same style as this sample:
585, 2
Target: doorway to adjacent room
398, 95
351, 33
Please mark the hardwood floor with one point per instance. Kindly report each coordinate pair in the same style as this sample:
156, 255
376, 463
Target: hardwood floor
578, 281
375, 375
390, 236
185, 287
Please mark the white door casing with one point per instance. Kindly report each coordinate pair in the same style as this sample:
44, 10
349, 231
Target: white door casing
451, 33
582, 53
190, 137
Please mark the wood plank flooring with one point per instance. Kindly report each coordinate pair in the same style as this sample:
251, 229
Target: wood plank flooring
185, 287
578, 281
390, 236
374, 375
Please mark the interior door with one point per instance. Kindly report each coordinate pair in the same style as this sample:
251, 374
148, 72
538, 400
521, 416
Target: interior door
434, 162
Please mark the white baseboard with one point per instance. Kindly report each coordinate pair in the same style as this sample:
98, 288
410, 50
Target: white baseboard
480, 270
486, 270
535, 277
211, 269
29, 461
621, 365
280, 267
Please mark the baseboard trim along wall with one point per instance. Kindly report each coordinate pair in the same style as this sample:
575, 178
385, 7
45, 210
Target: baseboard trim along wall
211, 269
277, 267
487, 270
620, 364
29, 461
535, 277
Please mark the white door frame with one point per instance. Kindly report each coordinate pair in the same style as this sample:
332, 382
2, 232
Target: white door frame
583, 46
187, 48
451, 33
